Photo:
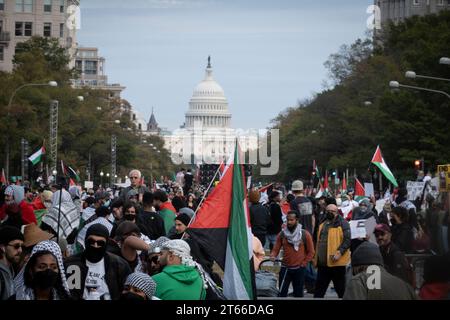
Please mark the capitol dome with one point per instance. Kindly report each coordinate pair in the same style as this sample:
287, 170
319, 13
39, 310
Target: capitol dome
208, 105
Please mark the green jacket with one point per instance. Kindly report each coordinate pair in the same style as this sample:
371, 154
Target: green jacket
179, 282
390, 287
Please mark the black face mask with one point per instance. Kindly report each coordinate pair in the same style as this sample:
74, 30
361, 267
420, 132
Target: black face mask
45, 279
130, 296
330, 216
130, 217
157, 207
94, 255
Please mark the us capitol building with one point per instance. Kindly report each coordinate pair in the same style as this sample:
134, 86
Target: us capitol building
207, 135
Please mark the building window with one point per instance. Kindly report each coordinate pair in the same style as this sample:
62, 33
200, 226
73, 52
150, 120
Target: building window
90, 67
24, 6
2, 5
134, 117
61, 30
416, 2
1, 26
48, 6
440, 3
24, 29
61, 6
47, 29
79, 65
2, 54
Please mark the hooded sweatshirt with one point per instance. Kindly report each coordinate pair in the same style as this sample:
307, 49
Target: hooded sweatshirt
179, 282
26, 209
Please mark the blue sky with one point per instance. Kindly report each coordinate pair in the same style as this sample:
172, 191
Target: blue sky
266, 54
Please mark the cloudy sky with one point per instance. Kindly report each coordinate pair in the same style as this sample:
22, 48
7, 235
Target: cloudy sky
266, 54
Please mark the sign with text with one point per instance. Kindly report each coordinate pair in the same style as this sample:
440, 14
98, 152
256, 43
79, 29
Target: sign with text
415, 189
89, 184
369, 189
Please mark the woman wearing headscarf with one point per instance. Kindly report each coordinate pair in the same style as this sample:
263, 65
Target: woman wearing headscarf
139, 287
43, 277
69, 217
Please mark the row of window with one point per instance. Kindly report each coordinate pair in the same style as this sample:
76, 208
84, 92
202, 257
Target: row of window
27, 5
439, 2
25, 29
90, 67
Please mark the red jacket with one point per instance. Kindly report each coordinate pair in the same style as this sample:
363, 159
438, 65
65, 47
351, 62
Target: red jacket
27, 211
28, 216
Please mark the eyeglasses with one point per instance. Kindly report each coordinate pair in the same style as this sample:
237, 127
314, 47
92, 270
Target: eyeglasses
100, 243
17, 246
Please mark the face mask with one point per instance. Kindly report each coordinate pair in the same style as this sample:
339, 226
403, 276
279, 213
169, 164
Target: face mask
129, 217
330, 216
107, 203
45, 279
157, 207
94, 255
130, 296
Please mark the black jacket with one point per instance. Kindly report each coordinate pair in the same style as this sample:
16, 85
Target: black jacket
276, 219
151, 224
395, 262
116, 272
403, 236
259, 218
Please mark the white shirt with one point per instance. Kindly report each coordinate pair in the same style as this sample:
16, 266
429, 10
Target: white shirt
95, 285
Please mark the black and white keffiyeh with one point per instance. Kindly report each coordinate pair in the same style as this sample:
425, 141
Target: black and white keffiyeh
70, 215
143, 282
26, 293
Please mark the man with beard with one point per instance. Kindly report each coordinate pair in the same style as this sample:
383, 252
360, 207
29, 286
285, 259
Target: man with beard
11, 242
101, 275
333, 255
298, 248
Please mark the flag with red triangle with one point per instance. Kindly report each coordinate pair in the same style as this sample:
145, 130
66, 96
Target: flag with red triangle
360, 192
222, 228
71, 182
344, 185
378, 161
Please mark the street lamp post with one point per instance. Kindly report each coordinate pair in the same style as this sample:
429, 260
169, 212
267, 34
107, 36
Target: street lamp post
11, 99
413, 75
397, 85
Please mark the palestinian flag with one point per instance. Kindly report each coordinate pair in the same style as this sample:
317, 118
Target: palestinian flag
36, 157
381, 164
316, 169
221, 227
320, 192
344, 185
359, 190
69, 172
3, 179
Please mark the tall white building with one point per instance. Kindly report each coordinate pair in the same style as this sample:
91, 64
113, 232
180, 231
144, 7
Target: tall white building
207, 135
22, 19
